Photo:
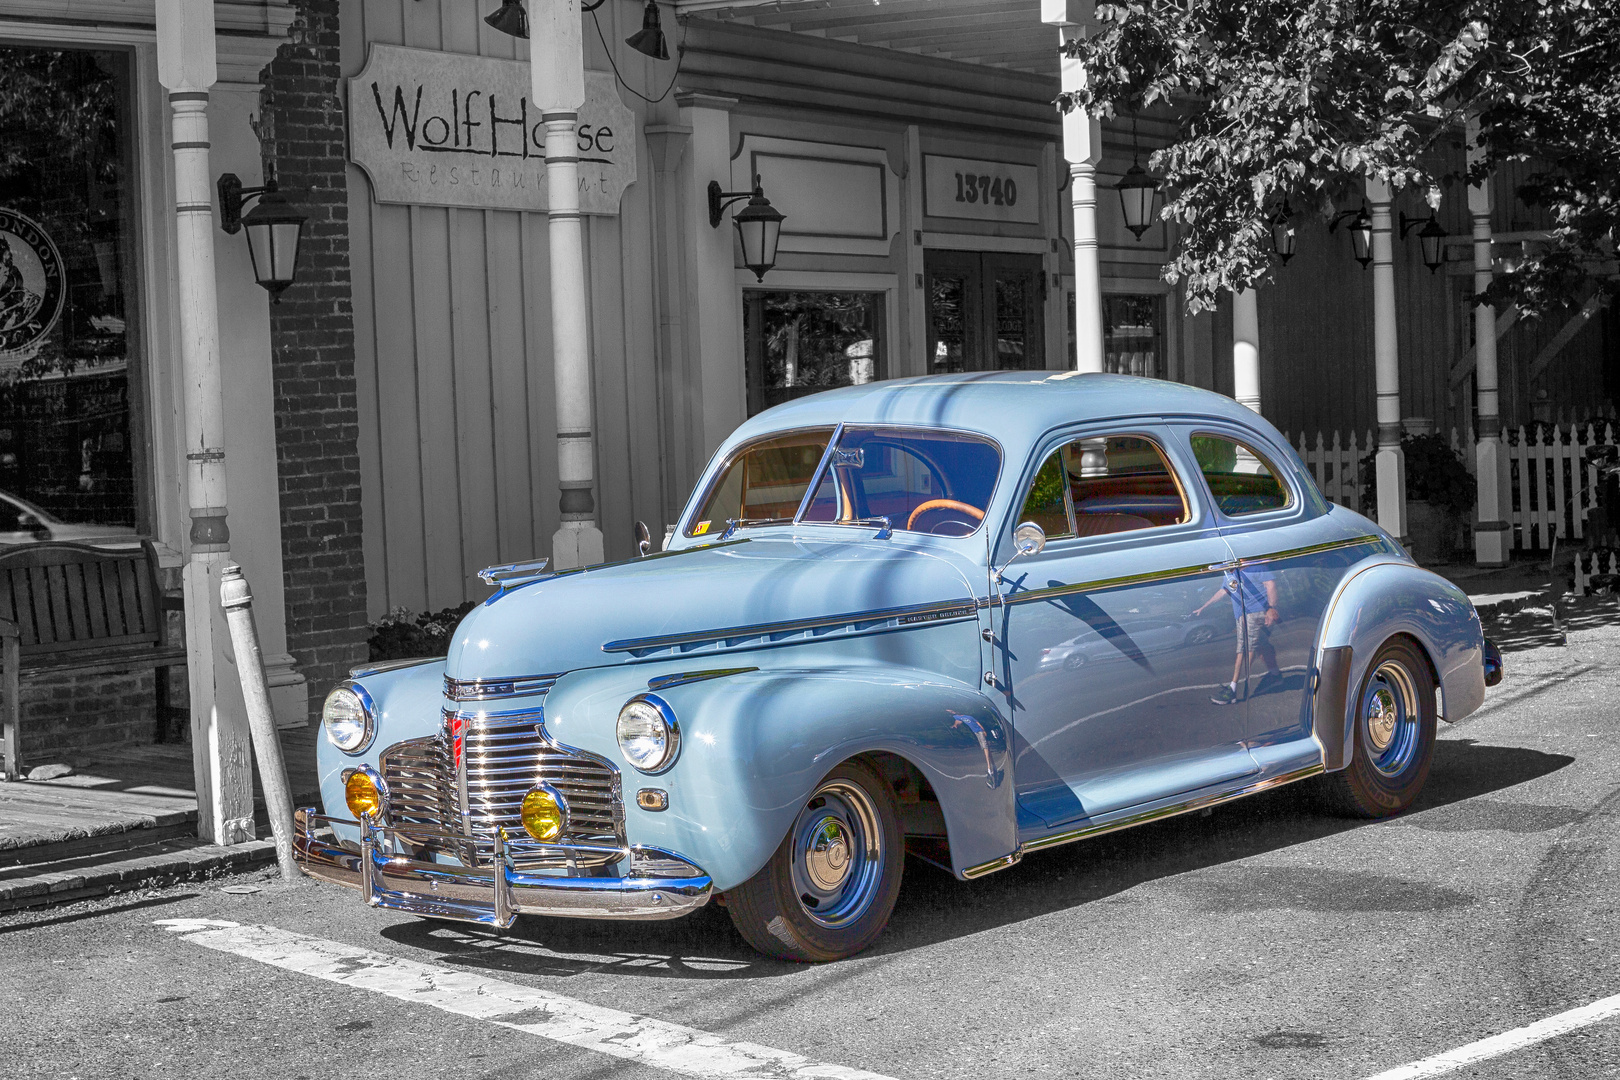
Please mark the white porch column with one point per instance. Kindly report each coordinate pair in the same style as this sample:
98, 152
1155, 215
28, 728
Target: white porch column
1391, 462
716, 393
1246, 349
1491, 534
221, 752
557, 63
1082, 146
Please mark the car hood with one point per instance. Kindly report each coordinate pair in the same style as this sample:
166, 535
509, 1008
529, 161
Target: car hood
561, 623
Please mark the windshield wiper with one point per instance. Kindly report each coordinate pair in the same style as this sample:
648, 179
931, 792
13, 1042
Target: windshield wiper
733, 524
881, 523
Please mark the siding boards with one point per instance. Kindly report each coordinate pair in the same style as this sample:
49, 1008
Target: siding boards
453, 342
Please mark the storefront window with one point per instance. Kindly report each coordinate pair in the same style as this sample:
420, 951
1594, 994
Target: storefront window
801, 343
1133, 335
69, 443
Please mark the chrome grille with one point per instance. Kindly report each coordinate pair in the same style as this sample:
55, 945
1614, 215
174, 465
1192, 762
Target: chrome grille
421, 782
505, 756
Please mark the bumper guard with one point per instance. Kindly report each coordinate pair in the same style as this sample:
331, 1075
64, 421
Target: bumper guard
488, 896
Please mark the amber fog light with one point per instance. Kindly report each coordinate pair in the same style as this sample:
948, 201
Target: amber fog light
362, 794
544, 813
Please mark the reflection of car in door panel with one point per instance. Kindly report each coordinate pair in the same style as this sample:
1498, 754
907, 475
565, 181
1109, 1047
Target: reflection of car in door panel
969, 616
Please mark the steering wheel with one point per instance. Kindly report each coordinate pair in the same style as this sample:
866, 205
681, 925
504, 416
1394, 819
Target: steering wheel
943, 504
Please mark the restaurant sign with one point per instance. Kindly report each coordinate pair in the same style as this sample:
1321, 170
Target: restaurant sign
448, 129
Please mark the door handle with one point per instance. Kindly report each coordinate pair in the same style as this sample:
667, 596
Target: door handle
1223, 566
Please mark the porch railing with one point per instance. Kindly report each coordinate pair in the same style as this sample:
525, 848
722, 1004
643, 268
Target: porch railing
1546, 463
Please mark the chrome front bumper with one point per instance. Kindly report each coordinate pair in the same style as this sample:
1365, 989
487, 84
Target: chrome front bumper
450, 891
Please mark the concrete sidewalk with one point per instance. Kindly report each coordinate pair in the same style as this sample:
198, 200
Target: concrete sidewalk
123, 819
1526, 582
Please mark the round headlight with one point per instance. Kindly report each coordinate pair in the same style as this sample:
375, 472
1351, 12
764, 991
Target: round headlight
648, 735
347, 718
543, 814
362, 794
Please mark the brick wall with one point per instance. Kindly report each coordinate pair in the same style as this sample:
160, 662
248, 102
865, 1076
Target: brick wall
312, 337
64, 717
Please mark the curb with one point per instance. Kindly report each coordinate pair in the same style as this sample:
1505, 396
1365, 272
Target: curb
1490, 605
161, 864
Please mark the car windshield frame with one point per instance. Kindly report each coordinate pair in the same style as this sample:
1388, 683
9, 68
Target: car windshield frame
884, 525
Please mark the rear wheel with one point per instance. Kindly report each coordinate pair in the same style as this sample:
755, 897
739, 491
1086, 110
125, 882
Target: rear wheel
1394, 721
829, 889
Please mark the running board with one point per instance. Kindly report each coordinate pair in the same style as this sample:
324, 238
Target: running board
1202, 802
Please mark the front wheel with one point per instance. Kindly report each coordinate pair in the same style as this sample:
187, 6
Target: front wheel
1394, 720
829, 889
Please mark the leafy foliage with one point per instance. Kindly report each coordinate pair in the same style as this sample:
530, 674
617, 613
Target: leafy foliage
403, 635
1302, 100
1434, 474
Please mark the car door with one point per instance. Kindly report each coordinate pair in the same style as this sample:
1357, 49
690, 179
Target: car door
1290, 560
1117, 639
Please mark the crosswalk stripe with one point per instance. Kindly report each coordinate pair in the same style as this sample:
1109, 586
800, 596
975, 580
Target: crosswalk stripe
1507, 1042
523, 1008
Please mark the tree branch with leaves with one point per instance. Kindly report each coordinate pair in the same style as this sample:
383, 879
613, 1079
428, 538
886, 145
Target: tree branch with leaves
1300, 103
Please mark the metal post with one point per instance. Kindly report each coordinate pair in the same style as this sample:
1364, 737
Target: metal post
1491, 534
1391, 462
1246, 349
557, 76
238, 603
220, 748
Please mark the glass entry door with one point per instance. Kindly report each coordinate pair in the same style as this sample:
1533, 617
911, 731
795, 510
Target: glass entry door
985, 311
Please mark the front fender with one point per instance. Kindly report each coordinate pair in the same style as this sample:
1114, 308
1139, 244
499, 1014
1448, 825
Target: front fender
1379, 597
755, 744
407, 702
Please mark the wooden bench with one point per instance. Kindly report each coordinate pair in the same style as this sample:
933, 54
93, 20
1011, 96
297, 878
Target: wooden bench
72, 609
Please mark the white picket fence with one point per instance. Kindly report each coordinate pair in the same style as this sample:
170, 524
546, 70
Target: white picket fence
1546, 463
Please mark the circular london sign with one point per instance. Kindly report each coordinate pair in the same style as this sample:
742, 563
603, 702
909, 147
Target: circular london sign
31, 292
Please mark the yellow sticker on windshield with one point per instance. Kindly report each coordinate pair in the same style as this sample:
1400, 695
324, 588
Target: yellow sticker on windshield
702, 527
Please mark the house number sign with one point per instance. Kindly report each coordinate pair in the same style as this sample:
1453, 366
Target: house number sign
448, 129
980, 190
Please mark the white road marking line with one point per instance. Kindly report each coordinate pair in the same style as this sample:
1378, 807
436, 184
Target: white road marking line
538, 1012
1507, 1042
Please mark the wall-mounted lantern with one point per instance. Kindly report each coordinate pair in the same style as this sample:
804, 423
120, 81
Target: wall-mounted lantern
649, 40
1431, 238
759, 224
1360, 230
274, 228
1139, 199
1283, 234
510, 18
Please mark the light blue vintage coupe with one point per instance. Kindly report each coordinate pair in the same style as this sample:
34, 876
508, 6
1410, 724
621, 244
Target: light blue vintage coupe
846, 653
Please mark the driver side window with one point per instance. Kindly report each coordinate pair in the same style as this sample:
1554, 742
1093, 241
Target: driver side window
1103, 485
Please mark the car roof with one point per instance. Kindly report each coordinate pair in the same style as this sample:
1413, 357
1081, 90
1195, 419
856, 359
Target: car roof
1010, 406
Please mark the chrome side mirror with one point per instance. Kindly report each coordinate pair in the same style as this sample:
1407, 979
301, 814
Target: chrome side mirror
643, 539
1028, 539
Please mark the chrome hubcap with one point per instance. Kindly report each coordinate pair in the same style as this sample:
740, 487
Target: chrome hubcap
1390, 717
1381, 720
837, 854
827, 860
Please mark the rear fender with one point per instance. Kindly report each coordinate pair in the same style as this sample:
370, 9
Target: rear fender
1380, 597
754, 745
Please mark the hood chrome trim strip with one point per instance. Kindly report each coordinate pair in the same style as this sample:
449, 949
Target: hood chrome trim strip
936, 611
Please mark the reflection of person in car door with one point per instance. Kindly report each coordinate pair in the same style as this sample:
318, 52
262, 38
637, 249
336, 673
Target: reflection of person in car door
1254, 604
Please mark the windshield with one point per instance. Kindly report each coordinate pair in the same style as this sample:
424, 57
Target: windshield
933, 482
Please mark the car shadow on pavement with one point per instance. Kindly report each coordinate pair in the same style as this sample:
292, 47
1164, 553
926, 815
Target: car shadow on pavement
935, 907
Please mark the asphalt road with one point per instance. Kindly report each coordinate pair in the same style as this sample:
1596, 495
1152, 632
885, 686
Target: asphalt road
1264, 939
